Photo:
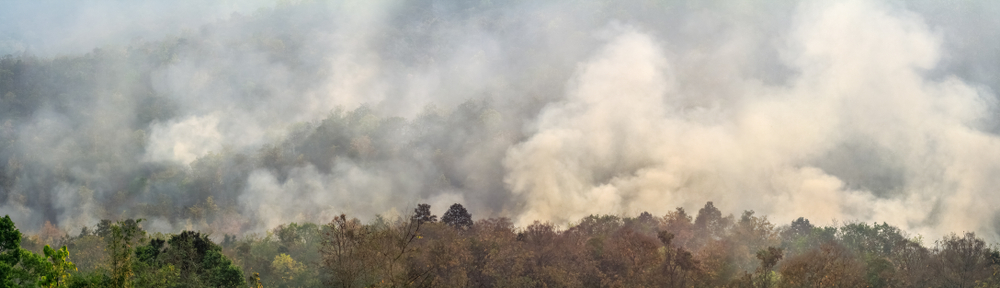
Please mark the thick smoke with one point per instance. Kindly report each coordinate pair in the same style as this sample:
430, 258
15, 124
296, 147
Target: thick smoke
239, 121
625, 138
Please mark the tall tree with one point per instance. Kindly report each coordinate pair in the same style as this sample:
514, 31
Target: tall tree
10, 254
457, 217
679, 266
709, 224
423, 214
121, 247
964, 261
679, 224
22, 268
200, 261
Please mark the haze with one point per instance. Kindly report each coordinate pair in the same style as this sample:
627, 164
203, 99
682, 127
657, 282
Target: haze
533, 110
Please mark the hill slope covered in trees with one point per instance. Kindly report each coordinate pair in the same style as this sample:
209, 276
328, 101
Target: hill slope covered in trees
674, 250
533, 111
212, 152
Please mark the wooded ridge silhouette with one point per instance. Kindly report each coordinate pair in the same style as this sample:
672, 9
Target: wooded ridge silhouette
673, 250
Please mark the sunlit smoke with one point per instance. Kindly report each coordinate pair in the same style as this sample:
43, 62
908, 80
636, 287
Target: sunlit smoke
243, 117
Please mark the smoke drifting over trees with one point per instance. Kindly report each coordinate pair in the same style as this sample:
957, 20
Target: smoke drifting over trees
242, 117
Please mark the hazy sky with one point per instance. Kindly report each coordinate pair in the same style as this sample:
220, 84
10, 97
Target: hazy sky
50, 28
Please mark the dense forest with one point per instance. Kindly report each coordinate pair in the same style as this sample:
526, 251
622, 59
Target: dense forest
421, 250
304, 143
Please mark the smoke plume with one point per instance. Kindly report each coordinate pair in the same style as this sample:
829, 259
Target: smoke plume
239, 118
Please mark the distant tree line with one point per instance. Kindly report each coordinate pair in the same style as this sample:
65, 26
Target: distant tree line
673, 250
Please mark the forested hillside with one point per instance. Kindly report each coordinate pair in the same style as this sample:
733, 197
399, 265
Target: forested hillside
678, 249
288, 143
535, 111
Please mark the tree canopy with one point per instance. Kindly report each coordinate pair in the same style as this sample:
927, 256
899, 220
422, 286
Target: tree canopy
416, 251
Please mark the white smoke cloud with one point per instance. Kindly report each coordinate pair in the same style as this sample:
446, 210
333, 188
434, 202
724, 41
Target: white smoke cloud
596, 136
308, 194
624, 141
184, 141
850, 110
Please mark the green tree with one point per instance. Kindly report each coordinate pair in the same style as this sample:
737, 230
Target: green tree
765, 273
423, 214
34, 270
150, 271
220, 271
10, 250
123, 238
20, 267
457, 217
290, 272
199, 261
60, 267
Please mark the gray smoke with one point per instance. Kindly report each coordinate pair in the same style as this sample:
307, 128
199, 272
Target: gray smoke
552, 111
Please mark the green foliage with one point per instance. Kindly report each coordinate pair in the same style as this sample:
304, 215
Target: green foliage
34, 269
802, 236
21, 267
151, 271
147, 275
123, 237
599, 251
765, 276
876, 240
60, 267
417, 251
290, 273
88, 252
10, 250
423, 214
148, 253
457, 217
219, 271
199, 261
83, 280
